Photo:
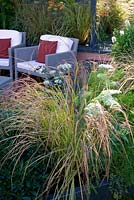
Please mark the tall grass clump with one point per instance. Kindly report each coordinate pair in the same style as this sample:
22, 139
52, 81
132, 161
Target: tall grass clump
37, 19
67, 19
77, 17
72, 136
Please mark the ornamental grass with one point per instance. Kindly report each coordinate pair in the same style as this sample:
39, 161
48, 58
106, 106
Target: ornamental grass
70, 135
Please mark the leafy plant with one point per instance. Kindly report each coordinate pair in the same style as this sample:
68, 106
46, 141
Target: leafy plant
101, 79
117, 187
122, 48
6, 13
126, 99
11, 184
122, 166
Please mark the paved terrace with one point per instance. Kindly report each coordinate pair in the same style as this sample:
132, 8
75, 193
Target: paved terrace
101, 58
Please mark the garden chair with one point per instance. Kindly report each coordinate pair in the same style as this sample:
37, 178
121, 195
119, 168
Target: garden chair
51, 51
9, 40
6, 84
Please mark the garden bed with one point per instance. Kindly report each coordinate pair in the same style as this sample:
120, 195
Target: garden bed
51, 136
102, 192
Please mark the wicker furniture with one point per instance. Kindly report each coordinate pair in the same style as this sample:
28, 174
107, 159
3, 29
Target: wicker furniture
18, 39
25, 58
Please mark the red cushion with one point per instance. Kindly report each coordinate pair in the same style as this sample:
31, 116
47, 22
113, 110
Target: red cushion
4, 45
45, 48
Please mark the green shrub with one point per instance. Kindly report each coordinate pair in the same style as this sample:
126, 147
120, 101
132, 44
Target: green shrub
101, 79
122, 165
126, 100
7, 14
123, 47
12, 185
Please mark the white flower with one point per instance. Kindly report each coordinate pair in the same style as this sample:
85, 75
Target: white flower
121, 32
127, 23
57, 81
52, 72
106, 97
113, 39
46, 82
65, 66
105, 66
59, 67
61, 73
93, 109
112, 92
69, 66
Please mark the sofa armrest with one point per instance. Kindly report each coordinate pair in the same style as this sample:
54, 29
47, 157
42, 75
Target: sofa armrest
25, 54
11, 49
11, 52
56, 59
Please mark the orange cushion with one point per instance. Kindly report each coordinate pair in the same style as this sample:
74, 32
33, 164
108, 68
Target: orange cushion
45, 48
4, 45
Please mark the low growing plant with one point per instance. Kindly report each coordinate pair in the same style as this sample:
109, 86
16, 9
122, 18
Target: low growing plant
123, 43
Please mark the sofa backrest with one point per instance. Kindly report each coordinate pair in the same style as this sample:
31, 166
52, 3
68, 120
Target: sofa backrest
64, 43
16, 36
